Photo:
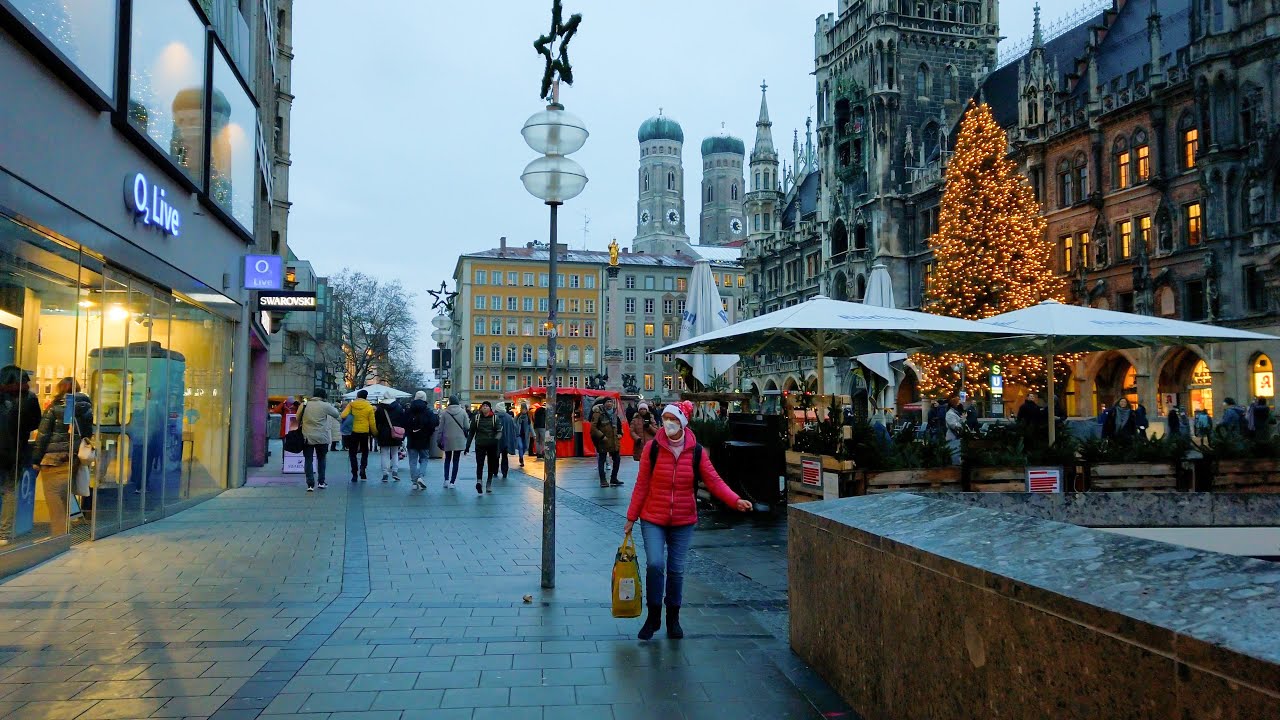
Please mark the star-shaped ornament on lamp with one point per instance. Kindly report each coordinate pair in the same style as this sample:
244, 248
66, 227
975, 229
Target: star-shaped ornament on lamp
443, 298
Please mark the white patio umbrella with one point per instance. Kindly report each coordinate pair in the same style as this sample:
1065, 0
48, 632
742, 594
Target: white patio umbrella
822, 327
704, 313
1058, 329
880, 294
378, 391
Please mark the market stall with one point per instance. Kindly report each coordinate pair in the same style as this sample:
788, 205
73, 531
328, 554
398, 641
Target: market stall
573, 417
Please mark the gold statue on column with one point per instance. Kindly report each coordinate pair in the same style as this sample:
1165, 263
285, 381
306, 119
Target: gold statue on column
613, 253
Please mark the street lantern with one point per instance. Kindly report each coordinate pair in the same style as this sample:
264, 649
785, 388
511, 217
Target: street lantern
554, 179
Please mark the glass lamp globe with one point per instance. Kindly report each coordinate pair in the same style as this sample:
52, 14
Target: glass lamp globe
554, 178
440, 336
554, 132
440, 322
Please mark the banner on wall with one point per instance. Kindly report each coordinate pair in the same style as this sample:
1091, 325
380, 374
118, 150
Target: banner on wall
293, 462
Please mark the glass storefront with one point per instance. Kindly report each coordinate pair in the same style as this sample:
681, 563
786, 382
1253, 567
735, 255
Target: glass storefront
167, 80
147, 376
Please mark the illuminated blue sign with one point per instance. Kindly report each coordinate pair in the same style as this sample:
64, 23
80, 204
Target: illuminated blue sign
150, 205
263, 272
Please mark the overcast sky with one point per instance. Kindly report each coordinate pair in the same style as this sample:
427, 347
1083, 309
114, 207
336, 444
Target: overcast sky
406, 142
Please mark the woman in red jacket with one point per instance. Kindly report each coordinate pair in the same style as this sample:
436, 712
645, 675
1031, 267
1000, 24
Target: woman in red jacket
664, 499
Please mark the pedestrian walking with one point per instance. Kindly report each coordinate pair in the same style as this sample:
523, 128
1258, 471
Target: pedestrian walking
1030, 412
644, 427
420, 423
606, 435
1174, 422
665, 501
524, 432
1203, 423
486, 433
456, 426
363, 424
509, 440
390, 436
314, 419
1259, 419
19, 412
1120, 423
56, 449
1233, 417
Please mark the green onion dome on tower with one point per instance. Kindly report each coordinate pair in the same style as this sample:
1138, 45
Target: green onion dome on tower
660, 127
723, 144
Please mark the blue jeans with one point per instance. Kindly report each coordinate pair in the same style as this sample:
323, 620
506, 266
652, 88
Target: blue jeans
418, 458
665, 551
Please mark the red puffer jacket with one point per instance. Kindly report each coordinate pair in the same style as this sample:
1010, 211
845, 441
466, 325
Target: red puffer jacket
664, 494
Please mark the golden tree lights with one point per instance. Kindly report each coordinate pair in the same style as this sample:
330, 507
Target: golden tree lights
990, 255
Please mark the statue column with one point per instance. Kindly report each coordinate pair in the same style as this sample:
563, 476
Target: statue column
613, 330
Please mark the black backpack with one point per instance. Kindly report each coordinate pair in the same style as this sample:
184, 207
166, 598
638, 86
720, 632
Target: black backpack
697, 461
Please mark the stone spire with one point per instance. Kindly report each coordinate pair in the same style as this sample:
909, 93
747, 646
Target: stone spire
1037, 39
764, 134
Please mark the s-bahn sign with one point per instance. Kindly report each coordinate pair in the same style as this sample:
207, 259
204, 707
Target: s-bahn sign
287, 301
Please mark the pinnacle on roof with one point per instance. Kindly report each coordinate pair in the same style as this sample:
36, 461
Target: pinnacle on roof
1037, 39
764, 134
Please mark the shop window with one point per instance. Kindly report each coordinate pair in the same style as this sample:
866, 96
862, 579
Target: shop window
167, 82
83, 33
1264, 379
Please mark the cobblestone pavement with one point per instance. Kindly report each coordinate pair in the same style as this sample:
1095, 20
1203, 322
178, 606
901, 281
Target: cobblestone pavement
375, 601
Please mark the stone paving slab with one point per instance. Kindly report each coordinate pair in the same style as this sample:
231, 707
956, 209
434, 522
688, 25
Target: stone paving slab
372, 600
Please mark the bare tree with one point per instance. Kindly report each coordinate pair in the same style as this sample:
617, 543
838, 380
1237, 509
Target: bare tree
377, 322
401, 371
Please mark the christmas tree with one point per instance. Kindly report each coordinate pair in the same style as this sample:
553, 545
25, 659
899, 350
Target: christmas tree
990, 255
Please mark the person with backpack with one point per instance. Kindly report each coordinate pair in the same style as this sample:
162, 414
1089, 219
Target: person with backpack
363, 423
524, 432
486, 432
1203, 423
390, 436
1233, 417
314, 419
420, 424
57, 445
665, 501
510, 443
644, 427
606, 434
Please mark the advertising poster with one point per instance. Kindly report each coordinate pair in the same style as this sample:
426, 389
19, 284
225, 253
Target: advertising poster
293, 462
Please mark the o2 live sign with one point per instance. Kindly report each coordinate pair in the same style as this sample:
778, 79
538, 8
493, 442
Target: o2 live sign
263, 272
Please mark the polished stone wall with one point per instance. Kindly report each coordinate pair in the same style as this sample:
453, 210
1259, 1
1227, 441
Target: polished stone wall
1136, 509
919, 607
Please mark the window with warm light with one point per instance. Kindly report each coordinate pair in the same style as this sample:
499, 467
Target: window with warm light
648, 382
629, 329
1144, 232
1142, 169
666, 331
1086, 250
1192, 223
1264, 378
682, 285
1067, 247
648, 330
1120, 169
1124, 236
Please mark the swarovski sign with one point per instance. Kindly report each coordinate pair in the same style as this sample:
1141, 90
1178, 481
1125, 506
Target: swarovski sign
287, 300
150, 206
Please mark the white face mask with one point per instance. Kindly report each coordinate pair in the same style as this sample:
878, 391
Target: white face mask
673, 427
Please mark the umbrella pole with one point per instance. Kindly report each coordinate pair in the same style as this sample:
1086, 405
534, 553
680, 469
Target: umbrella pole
821, 384
1053, 400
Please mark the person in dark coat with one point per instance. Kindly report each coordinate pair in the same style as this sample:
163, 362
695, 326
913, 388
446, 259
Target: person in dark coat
539, 427
56, 449
1174, 422
510, 438
20, 414
1259, 419
486, 432
389, 417
606, 435
1120, 422
420, 423
1233, 416
1030, 412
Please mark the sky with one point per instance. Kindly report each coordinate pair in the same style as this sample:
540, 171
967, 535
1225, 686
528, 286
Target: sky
405, 131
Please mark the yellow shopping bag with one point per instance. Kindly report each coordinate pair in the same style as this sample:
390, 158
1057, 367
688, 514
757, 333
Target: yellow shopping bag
628, 598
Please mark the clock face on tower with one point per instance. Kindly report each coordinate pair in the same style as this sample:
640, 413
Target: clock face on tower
644, 217
673, 217
735, 226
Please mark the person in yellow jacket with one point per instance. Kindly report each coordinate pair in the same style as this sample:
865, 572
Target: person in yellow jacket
364, 423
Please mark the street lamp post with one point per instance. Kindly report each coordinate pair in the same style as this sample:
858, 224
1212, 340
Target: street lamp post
553, 178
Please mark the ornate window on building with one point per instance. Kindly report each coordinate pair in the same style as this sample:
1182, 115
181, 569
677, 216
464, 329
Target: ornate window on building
629, 305
1086, 250
526, 355
1193, 225
479, 353
1066, 245
1066, 181
922, 80
511, 354
953, 83
671, 180
648, 382
480, 326
575, 356
1121, 164
1144, 232
1124, 238
589, 329
1141, 156
648, 330
1189, 139
1081, 167
528, 328
495, 353
629, 329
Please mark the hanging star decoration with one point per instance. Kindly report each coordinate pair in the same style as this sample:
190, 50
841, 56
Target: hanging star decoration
443, 297
557, 63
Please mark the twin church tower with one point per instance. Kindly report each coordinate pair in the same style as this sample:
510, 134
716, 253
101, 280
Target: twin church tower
731, 210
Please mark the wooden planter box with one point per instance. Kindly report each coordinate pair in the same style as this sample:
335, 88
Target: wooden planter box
798, 491
1247, 476
998, 479
945, 479
1132, 476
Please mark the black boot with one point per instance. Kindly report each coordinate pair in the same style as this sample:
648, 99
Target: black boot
674, 631
651, 623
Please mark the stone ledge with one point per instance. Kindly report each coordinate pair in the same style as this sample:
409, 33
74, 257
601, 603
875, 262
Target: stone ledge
1123, 626
1134, 509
